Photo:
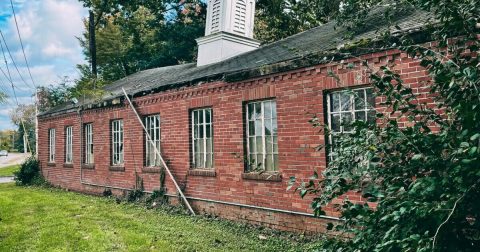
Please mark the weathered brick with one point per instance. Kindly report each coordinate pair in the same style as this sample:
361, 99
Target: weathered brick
299, 95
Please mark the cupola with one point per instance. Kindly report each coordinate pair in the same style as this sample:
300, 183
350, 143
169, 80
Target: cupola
228, 31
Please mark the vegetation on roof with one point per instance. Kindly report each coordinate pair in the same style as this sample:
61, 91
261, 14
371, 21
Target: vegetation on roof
304, 47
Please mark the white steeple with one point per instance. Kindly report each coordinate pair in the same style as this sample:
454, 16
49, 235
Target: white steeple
228, 32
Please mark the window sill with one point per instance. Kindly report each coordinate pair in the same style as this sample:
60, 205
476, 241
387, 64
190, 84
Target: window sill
116, 168
151, 169
51, 164
88, 166
266, 176
202, 172
67, 165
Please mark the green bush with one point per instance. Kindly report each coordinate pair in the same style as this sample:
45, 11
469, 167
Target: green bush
29, 173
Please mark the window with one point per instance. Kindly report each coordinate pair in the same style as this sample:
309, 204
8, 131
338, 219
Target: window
262, 136
69, 144
202, 138
152, 124
347, 106
89, 144
117, 142
51, 145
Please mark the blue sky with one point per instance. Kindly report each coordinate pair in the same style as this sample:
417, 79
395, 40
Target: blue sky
49, 29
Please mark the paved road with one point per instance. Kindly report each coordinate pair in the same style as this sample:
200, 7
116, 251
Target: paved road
12, 159
6, 179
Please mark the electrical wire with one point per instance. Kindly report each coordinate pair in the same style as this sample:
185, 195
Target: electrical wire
13, 61
21, 44
9, 78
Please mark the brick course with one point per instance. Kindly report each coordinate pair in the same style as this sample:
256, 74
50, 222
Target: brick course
299, 95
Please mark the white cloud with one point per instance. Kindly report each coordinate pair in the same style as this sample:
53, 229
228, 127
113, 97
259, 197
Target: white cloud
49, 29
5, 112
56, 50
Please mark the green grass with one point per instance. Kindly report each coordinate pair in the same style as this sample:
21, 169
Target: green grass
8, 171
44, 219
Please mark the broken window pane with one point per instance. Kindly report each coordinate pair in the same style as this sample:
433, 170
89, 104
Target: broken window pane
262, 140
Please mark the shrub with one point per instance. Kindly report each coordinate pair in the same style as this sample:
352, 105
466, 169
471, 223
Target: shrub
29, 173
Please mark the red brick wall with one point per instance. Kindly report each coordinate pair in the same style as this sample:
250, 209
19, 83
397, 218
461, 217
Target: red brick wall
299, 95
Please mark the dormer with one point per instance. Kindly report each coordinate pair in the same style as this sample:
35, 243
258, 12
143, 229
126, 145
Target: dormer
228, 31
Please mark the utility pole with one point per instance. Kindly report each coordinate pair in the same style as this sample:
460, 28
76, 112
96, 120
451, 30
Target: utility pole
25, 147
36, 123
93, 47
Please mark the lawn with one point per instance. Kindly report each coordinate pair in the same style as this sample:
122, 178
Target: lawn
43, 219
8, 171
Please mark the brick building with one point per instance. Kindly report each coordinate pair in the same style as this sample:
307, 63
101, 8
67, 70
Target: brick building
234, 126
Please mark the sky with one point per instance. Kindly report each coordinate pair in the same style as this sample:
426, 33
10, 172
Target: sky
48, 29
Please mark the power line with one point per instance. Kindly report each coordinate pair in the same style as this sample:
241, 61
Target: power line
31, 78
28, 147
13, 61
21, 43
6, 63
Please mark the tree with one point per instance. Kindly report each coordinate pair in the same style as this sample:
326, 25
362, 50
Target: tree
3, 97
425, 183
54, 95
6, 139
278, 19
136, 35
24, 117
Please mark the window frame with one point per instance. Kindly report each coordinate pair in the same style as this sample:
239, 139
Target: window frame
69, 145
368, 107
89, 157
155, 138
210, 153
274, 137
117, 142
51, 145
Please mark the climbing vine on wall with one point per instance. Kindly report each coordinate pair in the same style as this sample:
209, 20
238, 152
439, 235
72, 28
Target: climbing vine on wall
423, 177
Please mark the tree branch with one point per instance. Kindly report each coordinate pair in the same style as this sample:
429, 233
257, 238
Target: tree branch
451, 213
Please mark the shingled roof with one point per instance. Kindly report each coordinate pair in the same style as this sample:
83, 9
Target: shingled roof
323, 39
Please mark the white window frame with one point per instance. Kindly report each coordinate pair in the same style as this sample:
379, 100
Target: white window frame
205, 158
264, 152
89, 154
69, 144
152, 124
351, 109
117, 142
51, 145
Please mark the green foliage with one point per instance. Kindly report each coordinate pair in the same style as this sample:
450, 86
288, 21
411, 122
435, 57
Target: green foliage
9, 170
7, 138
278, 19
107, 193
54, 95
136, 35
159, 197
137, 194
424, 177
23, 117
29, 173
